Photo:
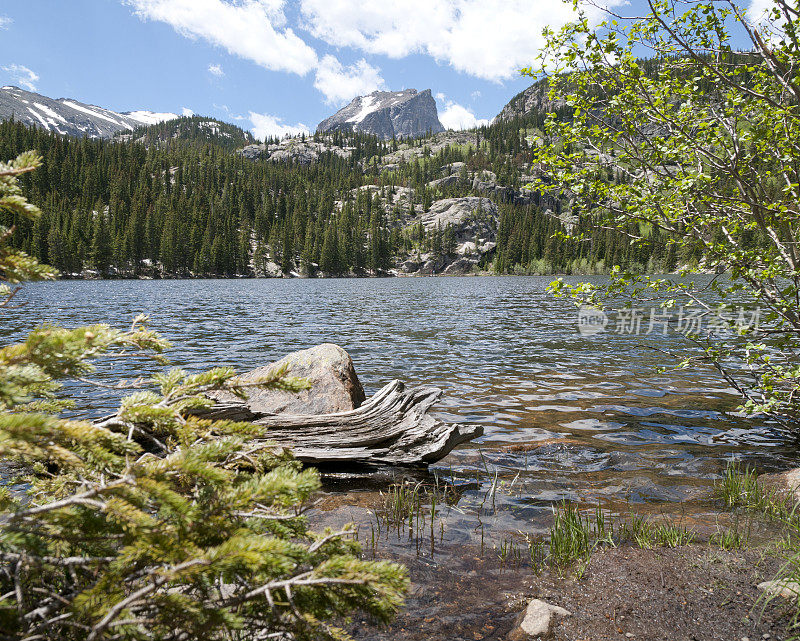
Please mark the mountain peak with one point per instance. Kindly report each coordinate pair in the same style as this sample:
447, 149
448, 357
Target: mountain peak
388, 114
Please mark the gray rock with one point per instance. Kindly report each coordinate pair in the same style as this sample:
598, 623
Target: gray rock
295, 149
785, 483
388, 114
253, 152
432, 266
410, 266
443, 182
453, 168
784, 588
459, 266
485, 182
533, 99
537, 621
469, 216
328, 368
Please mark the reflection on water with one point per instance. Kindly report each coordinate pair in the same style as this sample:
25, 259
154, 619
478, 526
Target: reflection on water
566, 416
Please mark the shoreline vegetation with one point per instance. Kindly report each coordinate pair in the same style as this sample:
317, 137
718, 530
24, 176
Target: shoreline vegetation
296, 276
630, 574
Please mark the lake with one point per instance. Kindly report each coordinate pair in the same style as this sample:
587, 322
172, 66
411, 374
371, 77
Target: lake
566, 416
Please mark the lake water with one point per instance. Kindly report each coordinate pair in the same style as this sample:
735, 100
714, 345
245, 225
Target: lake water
566, 416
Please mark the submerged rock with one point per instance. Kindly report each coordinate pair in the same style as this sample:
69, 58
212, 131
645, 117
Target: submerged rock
537, 621
328, 368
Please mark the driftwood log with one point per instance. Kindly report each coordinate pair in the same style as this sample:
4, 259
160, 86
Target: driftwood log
393, 427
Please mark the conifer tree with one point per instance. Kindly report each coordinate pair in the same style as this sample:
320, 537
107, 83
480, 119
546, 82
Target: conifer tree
155, 523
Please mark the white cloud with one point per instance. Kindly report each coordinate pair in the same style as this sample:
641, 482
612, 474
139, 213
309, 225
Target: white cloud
257, 30
455, 116
490, 39
340, 84
265, 126
187, 112
251, 29
475, 94
5, 22
23, 76
228, 113
758, 10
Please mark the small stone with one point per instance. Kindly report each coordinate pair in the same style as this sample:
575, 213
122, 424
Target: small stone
629, 635
785, 589
745, 638
765, 636
537, 621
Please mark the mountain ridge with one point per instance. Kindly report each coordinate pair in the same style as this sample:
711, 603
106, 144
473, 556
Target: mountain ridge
70, 117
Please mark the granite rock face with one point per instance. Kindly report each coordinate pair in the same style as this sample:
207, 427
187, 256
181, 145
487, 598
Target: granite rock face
468, 216
473, 221
328, 368
533, 99
388, 114
295, 149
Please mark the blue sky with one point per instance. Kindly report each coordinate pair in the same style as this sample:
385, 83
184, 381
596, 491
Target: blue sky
273, 65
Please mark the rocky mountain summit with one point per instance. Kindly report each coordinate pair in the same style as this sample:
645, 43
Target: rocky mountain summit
70, 117
388, 114
533, 99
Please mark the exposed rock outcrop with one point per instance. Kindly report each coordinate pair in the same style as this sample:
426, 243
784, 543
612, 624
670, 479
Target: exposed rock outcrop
469, 216
472, 220
388, 114
295, 149
533, 99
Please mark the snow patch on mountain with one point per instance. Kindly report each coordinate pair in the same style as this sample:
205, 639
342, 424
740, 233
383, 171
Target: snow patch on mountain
150, 117
97, 112
367, 107
49, 112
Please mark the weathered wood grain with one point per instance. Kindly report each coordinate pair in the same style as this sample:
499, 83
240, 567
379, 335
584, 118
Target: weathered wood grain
393, 427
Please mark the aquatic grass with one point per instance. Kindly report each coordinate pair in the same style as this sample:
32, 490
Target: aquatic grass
603, 532
740, 488
730, 539
672, 536
639, 530
570, 537
413, 508
510, 552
